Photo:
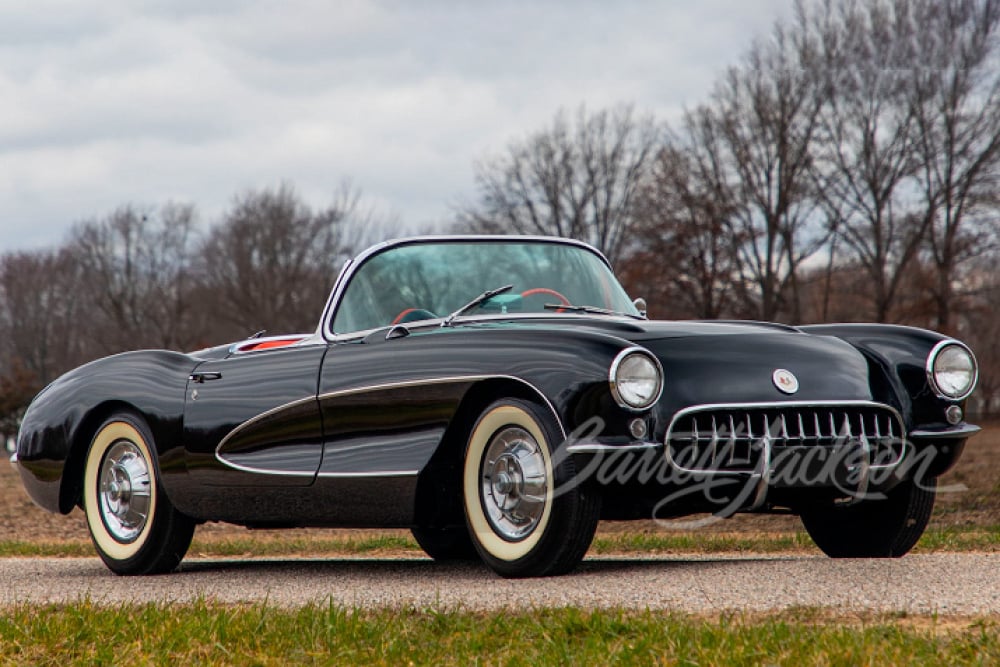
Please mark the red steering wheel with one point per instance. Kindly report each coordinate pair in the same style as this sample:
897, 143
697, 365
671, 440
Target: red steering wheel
413, 314
551, 292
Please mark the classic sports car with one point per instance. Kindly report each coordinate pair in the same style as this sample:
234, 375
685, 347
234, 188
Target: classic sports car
499, 396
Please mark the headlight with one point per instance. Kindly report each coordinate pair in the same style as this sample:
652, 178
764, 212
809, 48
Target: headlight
636, 379
952, 370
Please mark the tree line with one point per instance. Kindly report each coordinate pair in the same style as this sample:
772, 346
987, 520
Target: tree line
847, 168
148, 277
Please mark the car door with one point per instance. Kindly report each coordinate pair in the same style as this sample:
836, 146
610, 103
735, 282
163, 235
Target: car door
252, 419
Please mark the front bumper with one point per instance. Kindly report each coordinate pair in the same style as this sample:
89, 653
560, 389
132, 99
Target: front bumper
957, 432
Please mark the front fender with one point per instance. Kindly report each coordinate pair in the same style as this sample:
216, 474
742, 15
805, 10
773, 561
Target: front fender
60, 421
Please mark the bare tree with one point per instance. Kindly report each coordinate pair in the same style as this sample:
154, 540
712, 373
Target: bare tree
863, 56
683, 260
270, 263
979, 320
956, 101
41, 318
574, 180
756, 139
135, 277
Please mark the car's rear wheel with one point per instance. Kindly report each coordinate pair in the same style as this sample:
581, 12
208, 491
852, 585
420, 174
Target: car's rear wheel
132, 523
444, 544
527, 513
883, 528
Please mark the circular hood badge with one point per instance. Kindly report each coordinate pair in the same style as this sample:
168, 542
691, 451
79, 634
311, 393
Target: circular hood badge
785, 381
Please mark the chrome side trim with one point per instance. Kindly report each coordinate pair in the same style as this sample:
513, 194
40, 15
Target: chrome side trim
362, 390
352, 266
598, 448
929, 369
953, 433
287, 473
253, 420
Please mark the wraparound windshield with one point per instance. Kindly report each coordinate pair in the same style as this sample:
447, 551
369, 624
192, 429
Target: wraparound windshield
423, 281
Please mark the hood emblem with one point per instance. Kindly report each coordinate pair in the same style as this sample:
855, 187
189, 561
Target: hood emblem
785, 381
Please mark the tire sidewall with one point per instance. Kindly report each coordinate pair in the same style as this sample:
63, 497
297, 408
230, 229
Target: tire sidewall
494, 549
117, 554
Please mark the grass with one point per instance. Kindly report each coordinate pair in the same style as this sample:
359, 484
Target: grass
947, 539
213, 634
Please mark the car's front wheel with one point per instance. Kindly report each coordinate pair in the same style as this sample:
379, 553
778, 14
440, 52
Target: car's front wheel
132, 523
527, 513
880, 528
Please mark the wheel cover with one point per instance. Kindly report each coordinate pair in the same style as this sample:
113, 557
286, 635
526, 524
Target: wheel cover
124, 492
513, 483
484, 534
101, 521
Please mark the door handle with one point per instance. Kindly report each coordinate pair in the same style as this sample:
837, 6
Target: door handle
201, 378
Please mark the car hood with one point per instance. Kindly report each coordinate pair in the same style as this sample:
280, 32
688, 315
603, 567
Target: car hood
709, 362
735, 362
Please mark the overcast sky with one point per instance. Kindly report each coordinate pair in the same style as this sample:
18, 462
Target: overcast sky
124, 101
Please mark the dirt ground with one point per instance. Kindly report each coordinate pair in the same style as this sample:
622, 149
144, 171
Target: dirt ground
978, 505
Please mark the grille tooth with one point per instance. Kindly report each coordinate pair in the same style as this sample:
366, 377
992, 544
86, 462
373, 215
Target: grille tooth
732, 445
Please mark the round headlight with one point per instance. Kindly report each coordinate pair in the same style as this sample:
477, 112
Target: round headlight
951, 370
636, 379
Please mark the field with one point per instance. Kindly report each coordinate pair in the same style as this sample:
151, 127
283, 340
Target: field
209, 632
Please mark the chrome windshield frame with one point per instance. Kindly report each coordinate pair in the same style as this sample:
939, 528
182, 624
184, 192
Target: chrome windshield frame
325, 328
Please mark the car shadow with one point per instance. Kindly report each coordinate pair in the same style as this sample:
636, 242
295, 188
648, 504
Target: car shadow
423, 567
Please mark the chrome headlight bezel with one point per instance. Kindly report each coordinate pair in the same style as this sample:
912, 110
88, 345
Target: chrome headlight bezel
621, 393
932, 370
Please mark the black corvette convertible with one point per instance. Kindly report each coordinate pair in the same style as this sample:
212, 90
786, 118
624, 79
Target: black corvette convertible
499, 396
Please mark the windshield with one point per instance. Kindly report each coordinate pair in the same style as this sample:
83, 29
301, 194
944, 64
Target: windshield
429, 280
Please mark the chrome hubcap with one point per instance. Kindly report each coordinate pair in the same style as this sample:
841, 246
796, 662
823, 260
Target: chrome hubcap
514, 483
124, 491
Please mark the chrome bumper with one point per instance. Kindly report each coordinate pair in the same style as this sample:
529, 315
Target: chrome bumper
950, 433
599, 448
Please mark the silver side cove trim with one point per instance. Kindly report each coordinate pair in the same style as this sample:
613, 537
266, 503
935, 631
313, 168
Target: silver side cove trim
219, 455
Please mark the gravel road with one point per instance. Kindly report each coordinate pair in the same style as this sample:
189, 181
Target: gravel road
933, 583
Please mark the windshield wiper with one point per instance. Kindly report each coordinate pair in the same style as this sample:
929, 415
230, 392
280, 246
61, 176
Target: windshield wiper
482, 298
590, 309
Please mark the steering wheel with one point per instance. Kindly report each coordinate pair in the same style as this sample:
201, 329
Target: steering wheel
551, 292
412, 315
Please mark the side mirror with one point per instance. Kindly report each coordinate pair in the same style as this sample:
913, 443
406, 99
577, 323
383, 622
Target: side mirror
640, 305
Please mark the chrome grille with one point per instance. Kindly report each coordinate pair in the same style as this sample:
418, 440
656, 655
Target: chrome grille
736, 438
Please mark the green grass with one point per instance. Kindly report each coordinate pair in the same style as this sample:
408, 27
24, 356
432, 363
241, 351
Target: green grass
935, 539
212, 634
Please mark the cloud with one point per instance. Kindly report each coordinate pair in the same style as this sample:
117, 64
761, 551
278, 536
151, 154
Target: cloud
145, 102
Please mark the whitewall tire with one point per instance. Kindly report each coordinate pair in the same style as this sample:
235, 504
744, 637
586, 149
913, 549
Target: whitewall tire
132, 524
527, 515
